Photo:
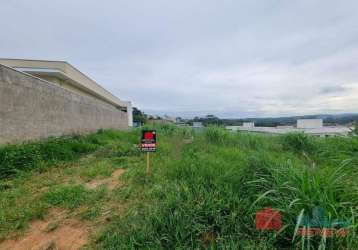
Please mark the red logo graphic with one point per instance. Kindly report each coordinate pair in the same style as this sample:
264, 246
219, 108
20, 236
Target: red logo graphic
148, 135
148, 141
268, 219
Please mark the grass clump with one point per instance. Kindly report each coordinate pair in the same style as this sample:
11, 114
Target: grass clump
72, 196
206, 196
40, 155
38, 178
17, 207
202, 193
95, 169
15, 158
299, 142
67, 196
216, 134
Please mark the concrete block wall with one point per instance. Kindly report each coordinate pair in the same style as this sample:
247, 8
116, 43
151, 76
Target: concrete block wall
31, 108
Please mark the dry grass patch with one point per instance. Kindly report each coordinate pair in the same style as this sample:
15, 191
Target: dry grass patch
110, 182
55, 232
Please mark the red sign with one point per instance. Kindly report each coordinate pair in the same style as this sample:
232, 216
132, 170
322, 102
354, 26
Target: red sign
268, 219
148, 141
148, 135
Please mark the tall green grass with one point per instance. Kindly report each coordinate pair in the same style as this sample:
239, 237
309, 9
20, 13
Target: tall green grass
206, 197
35, 186
202, 193
40, 155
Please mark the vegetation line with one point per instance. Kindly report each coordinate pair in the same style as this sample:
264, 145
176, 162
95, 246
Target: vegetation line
200, 195
40, 155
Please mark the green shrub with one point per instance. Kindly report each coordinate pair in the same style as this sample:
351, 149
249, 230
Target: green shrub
207, 195
299, 142
67, 196
15, 158
73, 196
42, 154
165, 129
183, 132
56, 150
82, 147
101, 168
214, 134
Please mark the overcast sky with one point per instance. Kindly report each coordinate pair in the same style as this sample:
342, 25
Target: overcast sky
188, 57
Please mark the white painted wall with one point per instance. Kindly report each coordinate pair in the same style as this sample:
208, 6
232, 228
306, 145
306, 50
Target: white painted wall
309, 123
130, 114
248, 124
197, 125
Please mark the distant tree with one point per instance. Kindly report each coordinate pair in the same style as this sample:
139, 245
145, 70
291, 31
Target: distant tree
207, 120
139, 116
212, 120
180, 120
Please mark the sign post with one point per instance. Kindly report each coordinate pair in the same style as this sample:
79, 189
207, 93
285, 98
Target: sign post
148, 163
148, 144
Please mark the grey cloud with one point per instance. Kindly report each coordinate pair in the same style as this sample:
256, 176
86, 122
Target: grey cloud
333, 89
230, 58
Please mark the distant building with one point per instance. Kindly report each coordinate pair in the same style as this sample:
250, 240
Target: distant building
155, 119
181, 122
308, 126
284, 126
248, 124
197, 125
169, 118
309, 123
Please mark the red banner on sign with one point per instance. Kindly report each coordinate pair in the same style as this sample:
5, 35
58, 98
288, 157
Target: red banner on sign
148, 141
268, 219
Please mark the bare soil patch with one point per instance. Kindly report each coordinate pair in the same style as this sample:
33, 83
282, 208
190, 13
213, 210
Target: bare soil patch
55, 233
110, 182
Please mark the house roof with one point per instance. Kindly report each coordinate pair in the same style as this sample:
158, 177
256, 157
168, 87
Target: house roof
65, 71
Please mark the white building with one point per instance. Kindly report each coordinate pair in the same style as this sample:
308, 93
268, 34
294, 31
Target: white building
169, 118
307, 126
309, 123
248, 124
197, 125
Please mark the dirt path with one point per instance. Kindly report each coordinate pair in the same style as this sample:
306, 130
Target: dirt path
110, 182
54, 233
58, 232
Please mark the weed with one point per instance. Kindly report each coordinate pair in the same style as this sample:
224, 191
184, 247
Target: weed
41, 155
206, 196
51, 226
91, 213
67, 196
72, 196
200, 195
215, 134
299, 142
101, 168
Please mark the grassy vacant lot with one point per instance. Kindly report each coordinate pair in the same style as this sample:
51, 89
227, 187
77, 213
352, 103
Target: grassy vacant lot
201, 194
